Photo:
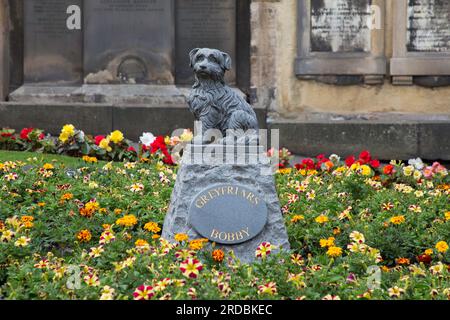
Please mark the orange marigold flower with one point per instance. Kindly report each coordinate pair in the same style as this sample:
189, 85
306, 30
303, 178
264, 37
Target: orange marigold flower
27, 219
297, 218
180, 237
127, 221
84, 236
397, 220
67, 196
402, 261
322, 219
152, 227
197, 244
218, 255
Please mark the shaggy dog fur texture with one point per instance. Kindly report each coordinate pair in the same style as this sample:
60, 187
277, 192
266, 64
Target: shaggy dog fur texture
212, 102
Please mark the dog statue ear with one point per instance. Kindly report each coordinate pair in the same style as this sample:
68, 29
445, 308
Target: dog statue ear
192, 55
226, 61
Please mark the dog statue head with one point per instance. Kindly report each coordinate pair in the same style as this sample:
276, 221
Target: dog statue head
209, 64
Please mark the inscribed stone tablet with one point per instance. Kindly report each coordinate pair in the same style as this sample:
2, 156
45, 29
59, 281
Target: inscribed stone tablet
428, 26
228, 214
340, 25
53, 52
204, 24
129, 41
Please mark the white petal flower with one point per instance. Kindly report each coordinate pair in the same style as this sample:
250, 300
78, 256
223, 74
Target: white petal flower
147, 138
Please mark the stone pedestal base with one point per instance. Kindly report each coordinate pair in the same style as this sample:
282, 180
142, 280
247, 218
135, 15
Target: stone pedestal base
194, 178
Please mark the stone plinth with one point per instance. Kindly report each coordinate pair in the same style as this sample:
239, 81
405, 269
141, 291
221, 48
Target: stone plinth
193, 179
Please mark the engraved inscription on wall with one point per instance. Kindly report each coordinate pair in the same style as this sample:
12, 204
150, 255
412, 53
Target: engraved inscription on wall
52, 52
340, 25
128, 41
204, 23
428, 26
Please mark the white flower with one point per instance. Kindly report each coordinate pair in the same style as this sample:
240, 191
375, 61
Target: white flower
417, 163
335, 158
147, 139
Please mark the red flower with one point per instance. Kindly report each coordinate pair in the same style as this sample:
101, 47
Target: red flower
131, 149
41, 136
424, 258
365, 157
389, 169
350, 161
306, 164
6, 134
25, 132
375, 164
99, 139
158, 144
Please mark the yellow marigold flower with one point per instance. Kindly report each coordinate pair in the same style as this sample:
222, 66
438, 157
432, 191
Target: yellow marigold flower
180, 237
297, 218
92, 205
41, 204
447, 216
325, 243
397, 220
156, 236
218, 255
117, 211
197, 244
127, 221
334, 252
322, 219
442, 246
84, 236
116, 137
152, 227
336, 231
429, 252
284, 171
48, 166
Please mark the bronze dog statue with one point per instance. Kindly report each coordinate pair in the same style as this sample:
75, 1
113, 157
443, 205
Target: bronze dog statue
214, 103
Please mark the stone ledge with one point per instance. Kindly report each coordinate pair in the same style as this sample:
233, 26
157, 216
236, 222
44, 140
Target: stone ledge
101, 118
387, 136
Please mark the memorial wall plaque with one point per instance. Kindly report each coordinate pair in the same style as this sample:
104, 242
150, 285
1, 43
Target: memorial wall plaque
204, 24
421, 40
228, 214
341, 38
428, 26
340, 26
129, 41
53, 52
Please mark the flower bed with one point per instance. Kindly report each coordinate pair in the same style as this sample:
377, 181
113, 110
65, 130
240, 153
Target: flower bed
358, 230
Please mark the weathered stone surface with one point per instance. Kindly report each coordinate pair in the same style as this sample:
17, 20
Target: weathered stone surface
53, 52
428, 29
129, 41
228, 213
193, 178
401, 136
4, 52
340, 26
204, 24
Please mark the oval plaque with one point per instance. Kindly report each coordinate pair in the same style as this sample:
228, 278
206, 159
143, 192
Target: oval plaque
228, 214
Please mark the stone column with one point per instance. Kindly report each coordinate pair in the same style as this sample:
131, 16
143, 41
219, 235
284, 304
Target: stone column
262, 53
4, 49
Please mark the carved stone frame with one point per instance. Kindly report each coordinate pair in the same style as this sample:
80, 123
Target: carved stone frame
405, 65
371, 65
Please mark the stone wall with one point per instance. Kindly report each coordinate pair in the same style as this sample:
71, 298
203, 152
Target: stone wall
4, 52
274, 50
